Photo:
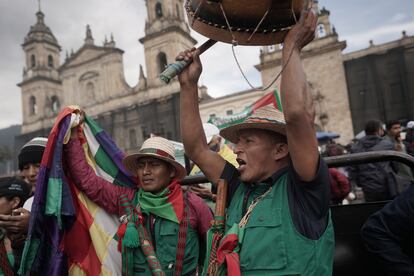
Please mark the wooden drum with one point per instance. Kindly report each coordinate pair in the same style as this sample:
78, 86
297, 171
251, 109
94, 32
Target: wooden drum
252, 22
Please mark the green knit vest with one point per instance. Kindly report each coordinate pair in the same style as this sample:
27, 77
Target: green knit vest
271, 244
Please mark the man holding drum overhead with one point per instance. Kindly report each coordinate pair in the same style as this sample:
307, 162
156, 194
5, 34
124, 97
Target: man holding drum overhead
278, 196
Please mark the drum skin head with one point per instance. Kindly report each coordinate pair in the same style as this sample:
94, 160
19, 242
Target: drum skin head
244, 16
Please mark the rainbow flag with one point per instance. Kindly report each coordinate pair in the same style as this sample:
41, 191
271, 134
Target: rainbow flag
68, 233
226, 121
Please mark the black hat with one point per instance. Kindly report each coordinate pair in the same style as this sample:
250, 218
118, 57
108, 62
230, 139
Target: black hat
14, 186
32, 151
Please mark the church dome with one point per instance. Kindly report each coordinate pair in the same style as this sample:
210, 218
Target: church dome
40, 32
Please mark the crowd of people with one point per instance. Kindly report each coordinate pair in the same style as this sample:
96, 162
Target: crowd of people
378, 181
278, 220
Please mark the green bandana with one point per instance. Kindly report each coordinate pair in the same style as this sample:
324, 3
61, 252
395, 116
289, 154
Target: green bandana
168, 204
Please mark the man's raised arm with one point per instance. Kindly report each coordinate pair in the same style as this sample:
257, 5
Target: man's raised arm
297, 99
192, 133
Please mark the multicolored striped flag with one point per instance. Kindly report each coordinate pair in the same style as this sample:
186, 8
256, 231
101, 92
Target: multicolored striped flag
226, 121
68, 233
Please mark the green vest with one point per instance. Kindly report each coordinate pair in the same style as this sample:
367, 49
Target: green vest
166, 238
271, 243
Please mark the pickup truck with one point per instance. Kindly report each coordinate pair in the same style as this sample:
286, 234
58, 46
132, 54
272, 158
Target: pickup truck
351, 257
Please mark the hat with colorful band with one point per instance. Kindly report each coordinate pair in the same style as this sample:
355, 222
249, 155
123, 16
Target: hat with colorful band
156, 147
266, 117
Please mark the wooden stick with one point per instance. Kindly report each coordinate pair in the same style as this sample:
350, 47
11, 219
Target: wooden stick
221, 198
174, 69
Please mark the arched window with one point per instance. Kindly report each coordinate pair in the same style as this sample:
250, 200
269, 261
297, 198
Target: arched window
161, 61
158, 10
321, 30
133, 143
55, 104
90, 91
50, 61
32, 105
32, 60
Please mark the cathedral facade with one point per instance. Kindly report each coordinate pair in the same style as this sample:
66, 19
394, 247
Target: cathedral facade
93, 78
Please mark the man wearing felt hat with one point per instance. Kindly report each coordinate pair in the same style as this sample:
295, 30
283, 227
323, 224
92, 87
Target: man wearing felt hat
278, 220
173, 222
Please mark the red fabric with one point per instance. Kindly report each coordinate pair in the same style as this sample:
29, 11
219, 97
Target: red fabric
48, 154
4, 261
121, 233
175, 197
267, 99
225, 254
340, 186
106, 194
77, 242
182, 239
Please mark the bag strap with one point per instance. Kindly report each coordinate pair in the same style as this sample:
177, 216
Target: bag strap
246, 217
182, 238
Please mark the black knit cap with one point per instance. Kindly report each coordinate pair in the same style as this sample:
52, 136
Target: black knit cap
32, 151
14, 186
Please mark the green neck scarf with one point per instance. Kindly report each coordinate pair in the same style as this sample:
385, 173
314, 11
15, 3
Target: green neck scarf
169, 204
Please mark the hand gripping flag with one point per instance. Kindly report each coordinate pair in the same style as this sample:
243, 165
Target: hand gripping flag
68, 233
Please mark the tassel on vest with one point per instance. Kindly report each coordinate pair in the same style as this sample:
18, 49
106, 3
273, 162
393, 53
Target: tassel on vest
131, 238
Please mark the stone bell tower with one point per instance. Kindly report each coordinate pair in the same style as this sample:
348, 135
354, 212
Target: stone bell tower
41, 86
166, 34
324, 68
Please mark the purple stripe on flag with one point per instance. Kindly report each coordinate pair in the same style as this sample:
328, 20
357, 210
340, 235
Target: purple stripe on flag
49, 259
116, 156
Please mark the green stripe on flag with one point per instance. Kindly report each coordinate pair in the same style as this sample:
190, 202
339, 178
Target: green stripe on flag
93, 125
30, 251
105, 163
278, 102
54, 198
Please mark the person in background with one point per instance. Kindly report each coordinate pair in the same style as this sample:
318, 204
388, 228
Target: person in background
341, 191
13, 193
217, 144
29, 159
389, 235
373, 178
394, 135
340, 187
409, 138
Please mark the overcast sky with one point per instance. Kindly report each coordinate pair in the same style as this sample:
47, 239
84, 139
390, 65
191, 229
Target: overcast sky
356, 22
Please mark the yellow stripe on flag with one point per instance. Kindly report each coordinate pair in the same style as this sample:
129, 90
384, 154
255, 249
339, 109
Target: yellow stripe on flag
75, 270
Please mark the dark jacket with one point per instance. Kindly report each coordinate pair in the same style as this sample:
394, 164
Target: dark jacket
389, 234
372, 177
